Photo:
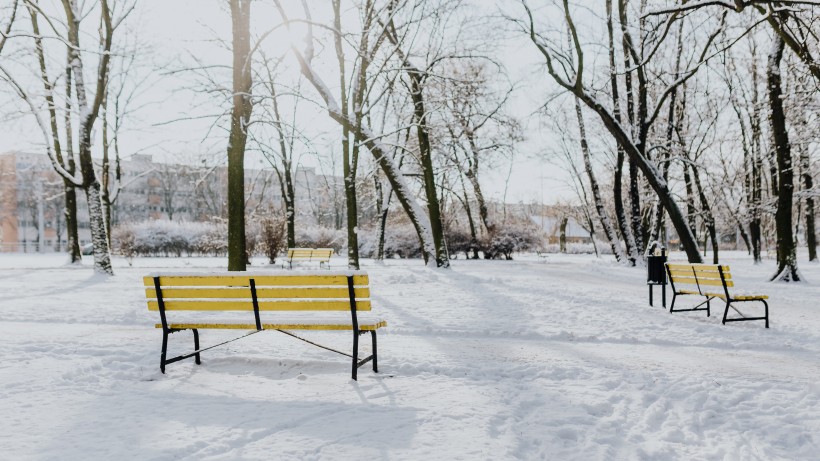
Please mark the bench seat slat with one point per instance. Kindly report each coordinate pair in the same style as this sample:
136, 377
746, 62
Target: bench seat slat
368, 326
743, 297
260, 280
707, 274
701, 281
697, 267
247, 305
261, 293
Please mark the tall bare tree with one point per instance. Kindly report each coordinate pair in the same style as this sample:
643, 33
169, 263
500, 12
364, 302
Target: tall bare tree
240, 120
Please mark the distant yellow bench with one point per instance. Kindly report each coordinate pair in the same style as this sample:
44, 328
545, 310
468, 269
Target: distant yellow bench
710, 281
320, 255
246, 301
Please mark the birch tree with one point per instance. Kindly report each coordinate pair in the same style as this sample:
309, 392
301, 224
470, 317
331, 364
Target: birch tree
371, 140
570, 78
87, 106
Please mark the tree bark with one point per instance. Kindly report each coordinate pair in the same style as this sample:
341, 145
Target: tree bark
562, 235
786, 254
603, 216
72, 240
708, 217
653, 176
808, 184
349, 158
240, 119
89, 111
620, 214
426, 156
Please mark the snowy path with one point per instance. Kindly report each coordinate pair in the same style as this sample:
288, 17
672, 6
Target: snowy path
492, 360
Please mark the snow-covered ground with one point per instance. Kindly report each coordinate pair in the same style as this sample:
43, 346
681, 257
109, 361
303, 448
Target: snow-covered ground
562, 359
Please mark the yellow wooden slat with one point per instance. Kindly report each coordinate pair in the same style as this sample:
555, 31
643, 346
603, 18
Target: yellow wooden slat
706, 274
698, 267
245, 292
247, 305
750, 297
260, 280
273, 326
701, 281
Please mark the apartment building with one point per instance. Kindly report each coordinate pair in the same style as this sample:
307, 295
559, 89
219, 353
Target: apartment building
32, 197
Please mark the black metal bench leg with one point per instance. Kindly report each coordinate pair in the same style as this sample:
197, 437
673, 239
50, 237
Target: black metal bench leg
672, 306
196, 345
355, 354
767, 311
375, 356
164, 351
726, 312
708, 307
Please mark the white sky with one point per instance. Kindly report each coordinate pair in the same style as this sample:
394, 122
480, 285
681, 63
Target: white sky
175, 33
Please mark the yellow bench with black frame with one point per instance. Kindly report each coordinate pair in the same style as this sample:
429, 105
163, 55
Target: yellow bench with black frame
711, 281
321, 255
247, 301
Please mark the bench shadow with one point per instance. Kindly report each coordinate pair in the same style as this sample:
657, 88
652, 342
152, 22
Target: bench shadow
91, 280
225, 414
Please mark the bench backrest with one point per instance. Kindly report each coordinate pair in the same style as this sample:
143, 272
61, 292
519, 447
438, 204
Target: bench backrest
310, 254
258, 292
700, 275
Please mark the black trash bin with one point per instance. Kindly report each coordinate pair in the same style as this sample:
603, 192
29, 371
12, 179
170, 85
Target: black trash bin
656, 274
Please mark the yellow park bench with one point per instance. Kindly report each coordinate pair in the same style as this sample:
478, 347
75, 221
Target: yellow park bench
710, 281
247, 301
320, 255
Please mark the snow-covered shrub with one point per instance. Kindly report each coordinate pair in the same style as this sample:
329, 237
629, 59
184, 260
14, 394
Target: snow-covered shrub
511, 237
253, 238
579, 248
400, 240
368, 242
122, 241
321, 237
213, 239
165, 238
461, 241
274, 236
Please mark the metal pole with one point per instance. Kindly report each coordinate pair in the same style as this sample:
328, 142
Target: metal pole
663, 285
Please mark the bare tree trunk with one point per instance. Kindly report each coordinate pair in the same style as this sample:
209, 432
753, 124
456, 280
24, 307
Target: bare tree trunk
620, 214
691, 209
603, 216
636, 122
72, 244
808, 184
562, 235
380, 151
708, 217
240, 119
417, 78
349, 159
473, 231
755, 226
89, 110
426, 154
382, 209
786, 255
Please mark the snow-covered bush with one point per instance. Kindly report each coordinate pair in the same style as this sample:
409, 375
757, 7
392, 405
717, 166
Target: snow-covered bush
400, 240
321, 237
511, 237
579, 248
461, 241
274, 236
170, 238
